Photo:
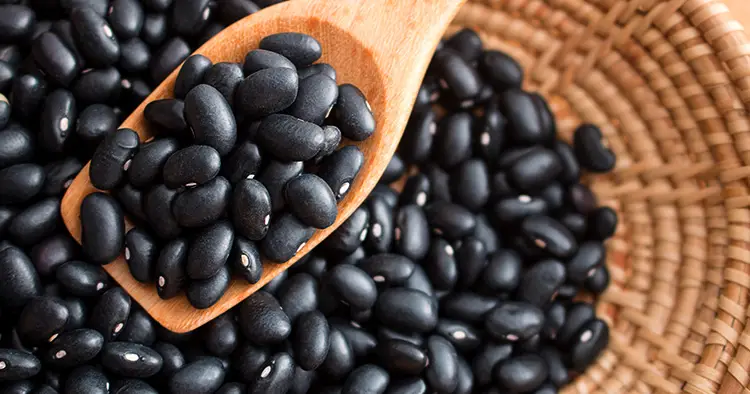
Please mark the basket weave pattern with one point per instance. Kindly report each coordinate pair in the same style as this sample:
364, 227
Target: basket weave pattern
669, 83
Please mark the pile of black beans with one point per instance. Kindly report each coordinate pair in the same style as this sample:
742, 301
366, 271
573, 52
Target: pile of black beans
470, 280
244, 154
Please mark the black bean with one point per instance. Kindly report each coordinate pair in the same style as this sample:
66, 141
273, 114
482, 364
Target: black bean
275, 176
221, 336
571, 170
350, 234
450, 220
112, 158
387, 334
132, 386
513, 209
452, 144
167, 115
36, 222
209, 250
471, 184
261, 59
353, 114
58, 62
20, 280
262, 319
513, 154
59, 175
41, 320
456, 75
522, 373
380, 234
191, 166
412, 232
7, 73
524, 118
135, 56
465, 377
352, 286
17, 23
391, 269
311, 340
331, 140
242, 163
503, 272
554, 195
578, 314
53, 251
472, 255
146, 166
286, 236
210, 117
157, 207
290, 139
311, 200
547, 234
299, 295
468, 307
315, 69
94, 37
442, 370
567, 292
173, 359
203, 376
58, 116
235, 388
189, 16
366, 379
340, 358
340, 168
440, 264
584, 263
266, 92
225, 77
191, 74
541, 282
110, 313
77, 312
501, 70
102, 228
245, 259
154, 29
467, 43
141, 253
462, 336
416, 144
73, 348
402, 357
95, 122
588, 343
301, 49
6, 217
16, 146
513, 321
315, 99
29, 91
581, 199
131, 359
251, 209
275, 376
591, 151
204, 293
389, 196
602, 223
558, 372
87, 379
139, 329
416, 190
99, 85
487, 358
233, 10
18, 365
247, 361
126, 18
168, 57
407, 386
406, 309
202, 205
535, 170
576, 223
599, 281
554, 318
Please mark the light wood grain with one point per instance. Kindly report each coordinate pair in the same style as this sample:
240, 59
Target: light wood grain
382, 46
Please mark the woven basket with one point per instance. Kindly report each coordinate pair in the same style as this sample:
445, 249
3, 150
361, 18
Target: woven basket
669, 83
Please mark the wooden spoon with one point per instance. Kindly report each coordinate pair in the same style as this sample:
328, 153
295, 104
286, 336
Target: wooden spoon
381, 46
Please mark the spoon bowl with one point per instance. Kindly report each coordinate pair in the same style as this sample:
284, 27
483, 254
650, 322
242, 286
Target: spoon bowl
383, 47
